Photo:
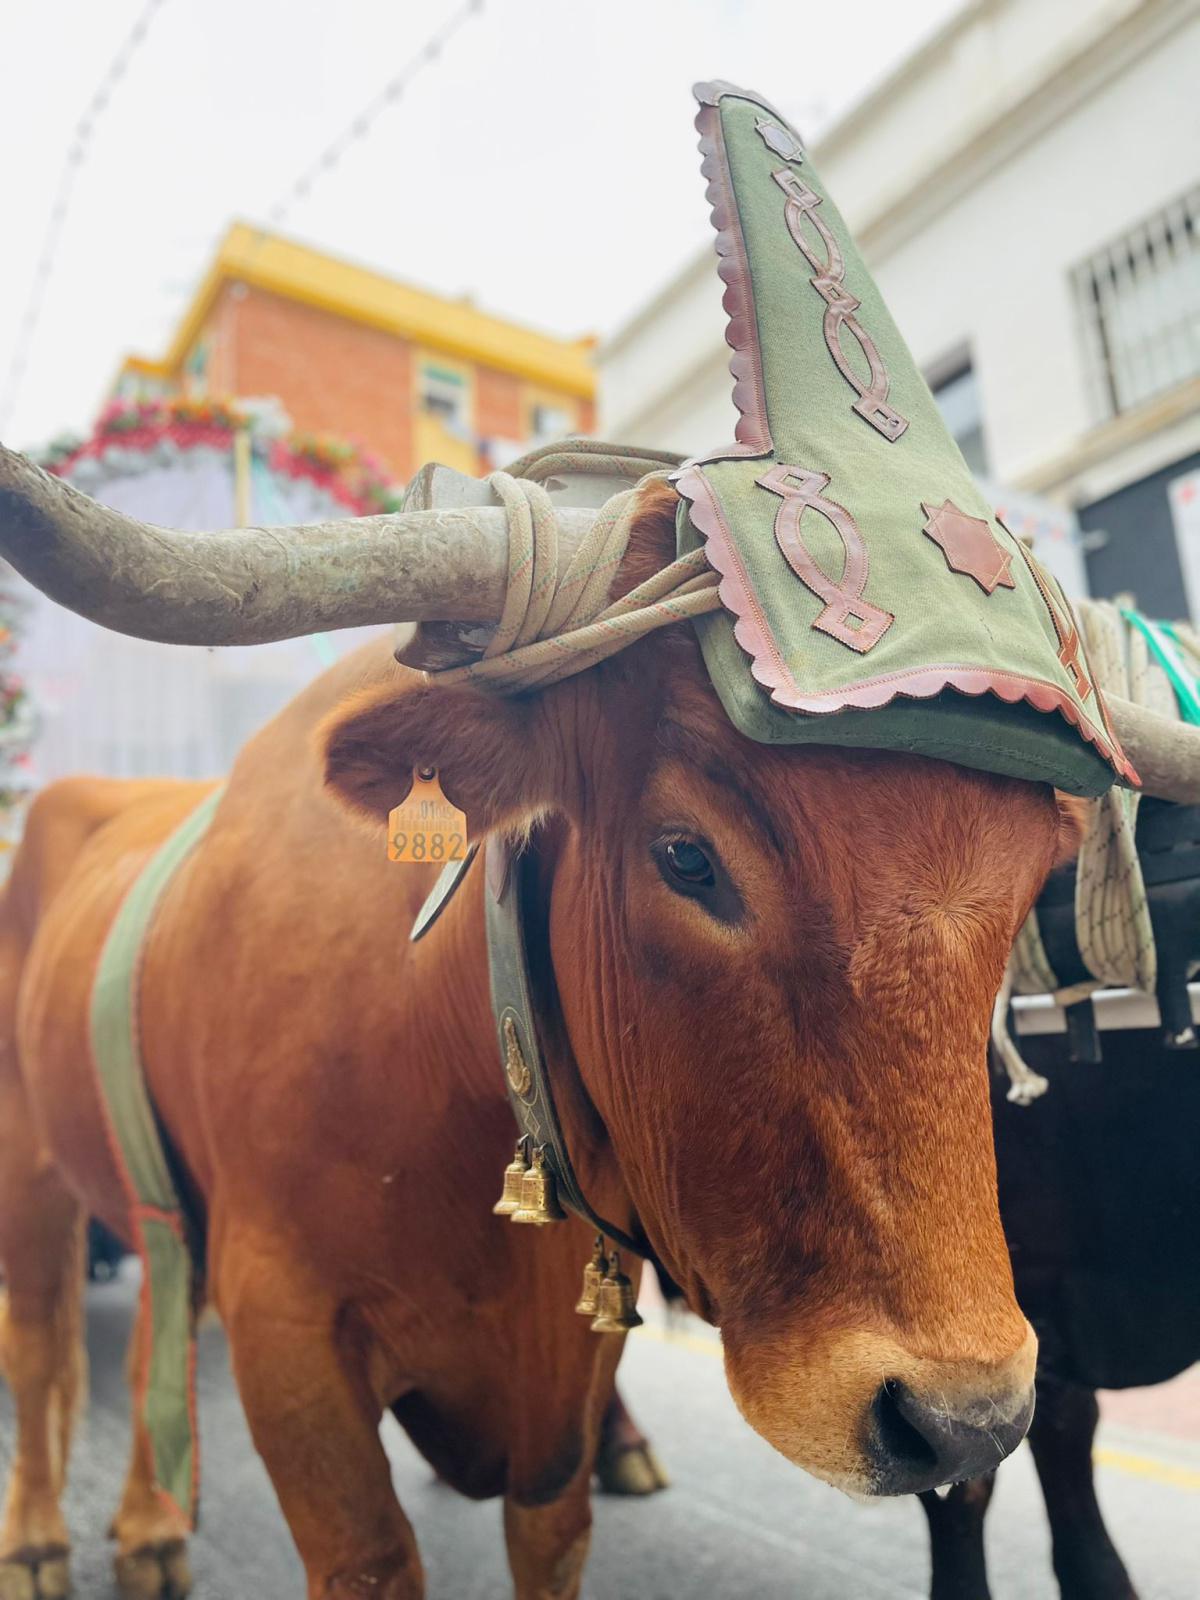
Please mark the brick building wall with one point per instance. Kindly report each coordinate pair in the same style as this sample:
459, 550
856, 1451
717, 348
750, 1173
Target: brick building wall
334, 376
355, 355
498, 407
345, 378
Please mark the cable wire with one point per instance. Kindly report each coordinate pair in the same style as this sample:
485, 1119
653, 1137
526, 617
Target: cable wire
77, 154
79, 149
362, 124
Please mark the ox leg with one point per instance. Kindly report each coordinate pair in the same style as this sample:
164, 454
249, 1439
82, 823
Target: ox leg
547, 1508
151, 1561
958, 1567
548, 1544
626, 1462
301, 1370
42, 1352
1086, 1563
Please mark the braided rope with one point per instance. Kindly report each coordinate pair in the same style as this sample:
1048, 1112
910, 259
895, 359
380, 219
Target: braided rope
567, 456
1112, 917
558, 622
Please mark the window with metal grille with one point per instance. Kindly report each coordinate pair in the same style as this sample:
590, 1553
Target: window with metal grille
1139, 303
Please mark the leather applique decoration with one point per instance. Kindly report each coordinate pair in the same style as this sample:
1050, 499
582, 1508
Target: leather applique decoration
840, 305
1070, 648
846, 620
1069, 656
782, 140
969, 545
847, 616
802, 203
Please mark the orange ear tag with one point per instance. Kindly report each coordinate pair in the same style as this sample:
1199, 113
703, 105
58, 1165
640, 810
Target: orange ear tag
425, 829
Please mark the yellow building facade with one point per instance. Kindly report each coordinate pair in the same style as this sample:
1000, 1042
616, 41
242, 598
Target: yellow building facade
407, 374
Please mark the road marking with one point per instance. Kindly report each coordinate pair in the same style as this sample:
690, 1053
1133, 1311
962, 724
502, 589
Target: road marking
680, 1337
1148, 1467
1126, 1461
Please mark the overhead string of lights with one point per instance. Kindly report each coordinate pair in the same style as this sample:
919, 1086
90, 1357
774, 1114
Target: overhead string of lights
77, 153
297, 191
363, 123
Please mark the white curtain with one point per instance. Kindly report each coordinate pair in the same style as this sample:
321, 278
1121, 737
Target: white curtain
125, 708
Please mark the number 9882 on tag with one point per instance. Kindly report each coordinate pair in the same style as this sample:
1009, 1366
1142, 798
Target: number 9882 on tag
425, 829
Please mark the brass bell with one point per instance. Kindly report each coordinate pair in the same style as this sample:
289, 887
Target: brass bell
510, 1199
593, 1276
539, 1197
616, 1307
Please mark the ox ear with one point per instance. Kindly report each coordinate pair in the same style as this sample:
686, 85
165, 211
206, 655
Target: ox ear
1074, 819
494, 757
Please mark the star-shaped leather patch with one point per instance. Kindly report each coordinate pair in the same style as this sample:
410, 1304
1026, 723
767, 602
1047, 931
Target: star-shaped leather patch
969, 546
782, 140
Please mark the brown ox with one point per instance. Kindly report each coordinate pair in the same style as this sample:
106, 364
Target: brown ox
780, 1057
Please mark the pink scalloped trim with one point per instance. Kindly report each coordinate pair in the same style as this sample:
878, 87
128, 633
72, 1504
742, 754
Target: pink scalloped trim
753, 431
768, 667
750, 626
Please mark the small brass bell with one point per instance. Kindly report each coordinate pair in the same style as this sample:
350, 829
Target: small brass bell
510, 1199
593, 1276
616, 1307
539, 1198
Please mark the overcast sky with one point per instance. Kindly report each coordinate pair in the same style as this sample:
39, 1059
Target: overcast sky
545, 164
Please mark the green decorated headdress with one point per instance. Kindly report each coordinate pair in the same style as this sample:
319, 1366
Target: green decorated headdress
877, 596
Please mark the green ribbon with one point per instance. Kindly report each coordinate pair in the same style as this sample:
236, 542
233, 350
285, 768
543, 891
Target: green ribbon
1165, 647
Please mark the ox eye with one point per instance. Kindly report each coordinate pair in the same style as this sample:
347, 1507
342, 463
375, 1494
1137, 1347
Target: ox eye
694, 870
687, 862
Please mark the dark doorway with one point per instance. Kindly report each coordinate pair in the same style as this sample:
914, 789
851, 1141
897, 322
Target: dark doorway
1140, 556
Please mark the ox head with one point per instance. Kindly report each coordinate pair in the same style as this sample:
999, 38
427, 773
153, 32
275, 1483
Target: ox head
775, 968
775, 965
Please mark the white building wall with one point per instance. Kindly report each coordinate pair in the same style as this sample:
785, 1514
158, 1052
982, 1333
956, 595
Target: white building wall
993, 270
984, 68
664, 379
1025, 136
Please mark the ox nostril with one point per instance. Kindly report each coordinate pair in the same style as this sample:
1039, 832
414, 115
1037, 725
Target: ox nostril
898, 1441
919, 1445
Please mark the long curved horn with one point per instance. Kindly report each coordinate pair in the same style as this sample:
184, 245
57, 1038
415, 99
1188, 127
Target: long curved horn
251, 585
1165, 753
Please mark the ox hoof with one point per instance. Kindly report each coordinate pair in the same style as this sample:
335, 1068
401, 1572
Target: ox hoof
155, 1572
17, 1582
37, 1575
632, 1470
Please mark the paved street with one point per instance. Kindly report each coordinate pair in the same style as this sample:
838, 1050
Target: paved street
739, 1522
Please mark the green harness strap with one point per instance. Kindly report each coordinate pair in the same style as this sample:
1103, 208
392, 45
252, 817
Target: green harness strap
164, 1384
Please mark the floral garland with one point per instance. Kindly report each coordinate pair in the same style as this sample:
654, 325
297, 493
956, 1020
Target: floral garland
133, 437
127, 429
350, 474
